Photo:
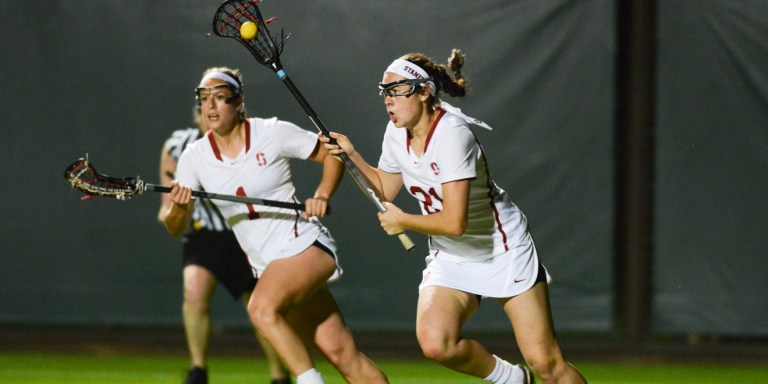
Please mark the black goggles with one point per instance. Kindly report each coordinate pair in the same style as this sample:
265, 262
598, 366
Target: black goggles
230, 100
402, 87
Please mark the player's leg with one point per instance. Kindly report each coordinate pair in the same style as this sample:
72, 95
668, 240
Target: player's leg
531, 320
199, 285
277, 371
441, 313
283, 284
320, 322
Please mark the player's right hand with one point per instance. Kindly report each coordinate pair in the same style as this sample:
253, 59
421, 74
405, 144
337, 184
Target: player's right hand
180, 194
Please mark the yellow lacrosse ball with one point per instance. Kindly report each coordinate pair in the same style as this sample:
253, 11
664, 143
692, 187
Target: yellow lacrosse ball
248, 30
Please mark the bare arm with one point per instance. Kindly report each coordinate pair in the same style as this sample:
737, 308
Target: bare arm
179, 212
333, 170
167, 172
385, 185
451, 221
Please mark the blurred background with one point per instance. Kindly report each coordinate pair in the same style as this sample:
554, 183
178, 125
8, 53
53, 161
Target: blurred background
633, 134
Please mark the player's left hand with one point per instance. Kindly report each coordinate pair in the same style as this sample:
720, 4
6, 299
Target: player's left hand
390, 220
316, 206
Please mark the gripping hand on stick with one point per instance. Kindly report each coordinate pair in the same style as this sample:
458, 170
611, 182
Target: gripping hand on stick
179, 213
385, 185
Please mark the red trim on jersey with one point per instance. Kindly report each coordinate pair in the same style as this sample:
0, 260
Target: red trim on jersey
498, 223
217, 151
215, 147
408, 140
440, 113
491, 189
296, 226
247, 136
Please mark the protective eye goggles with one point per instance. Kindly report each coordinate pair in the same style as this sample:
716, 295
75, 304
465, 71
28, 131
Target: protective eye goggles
405, 87
200, 97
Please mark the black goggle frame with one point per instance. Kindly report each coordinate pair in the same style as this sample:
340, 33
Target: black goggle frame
415, 85
230, 100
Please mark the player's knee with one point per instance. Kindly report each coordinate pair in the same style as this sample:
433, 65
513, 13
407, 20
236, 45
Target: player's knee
193, 305
338, 348
435, 345
338, 356
262, 316
545, 366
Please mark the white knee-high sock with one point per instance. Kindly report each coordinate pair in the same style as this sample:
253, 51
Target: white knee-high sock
312, 376
506, 373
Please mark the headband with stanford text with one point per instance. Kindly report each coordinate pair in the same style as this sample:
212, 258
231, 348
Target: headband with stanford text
410, 70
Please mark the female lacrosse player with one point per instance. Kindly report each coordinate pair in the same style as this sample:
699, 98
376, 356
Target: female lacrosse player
293, 255
479, 244
211, 255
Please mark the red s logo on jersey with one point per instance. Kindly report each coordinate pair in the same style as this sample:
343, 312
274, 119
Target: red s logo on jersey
435, 168
261, 159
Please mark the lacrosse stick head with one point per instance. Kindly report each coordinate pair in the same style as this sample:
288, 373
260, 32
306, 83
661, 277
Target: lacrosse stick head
234, 13
83, 177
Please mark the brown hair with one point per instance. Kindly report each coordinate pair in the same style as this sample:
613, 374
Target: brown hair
448, 77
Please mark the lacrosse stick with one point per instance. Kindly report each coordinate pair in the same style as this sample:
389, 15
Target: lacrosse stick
83, 177
232, 14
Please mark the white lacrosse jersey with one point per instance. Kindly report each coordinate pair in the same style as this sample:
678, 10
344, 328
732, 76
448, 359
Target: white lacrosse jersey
452, 153
261, 170
205, 216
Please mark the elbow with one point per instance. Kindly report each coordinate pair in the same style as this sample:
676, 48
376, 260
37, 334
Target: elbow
161, 217
456, 229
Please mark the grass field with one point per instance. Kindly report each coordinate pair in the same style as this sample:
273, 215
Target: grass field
60, 368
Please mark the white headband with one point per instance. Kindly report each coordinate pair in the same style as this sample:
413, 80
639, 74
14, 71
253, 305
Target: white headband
410, 71
221, 76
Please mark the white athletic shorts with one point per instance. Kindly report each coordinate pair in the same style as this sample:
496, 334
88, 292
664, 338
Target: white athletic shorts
506, 275
298, 244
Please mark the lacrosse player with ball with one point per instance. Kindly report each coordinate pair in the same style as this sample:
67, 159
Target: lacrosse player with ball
479, 243
211, 255
291, 252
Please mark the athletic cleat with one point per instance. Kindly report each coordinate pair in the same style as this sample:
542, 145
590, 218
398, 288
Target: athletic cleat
281, 381
197, 375
529, 378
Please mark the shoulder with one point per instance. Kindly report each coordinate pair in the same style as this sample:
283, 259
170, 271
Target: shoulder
271, 124
451, 125
454, 125
260, 122
453, 132
285, 130
450, 121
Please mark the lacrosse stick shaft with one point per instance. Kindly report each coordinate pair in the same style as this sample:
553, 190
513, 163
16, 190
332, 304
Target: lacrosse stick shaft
233, 198
362, 183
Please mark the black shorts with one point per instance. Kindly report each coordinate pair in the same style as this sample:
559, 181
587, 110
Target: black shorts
220, 253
